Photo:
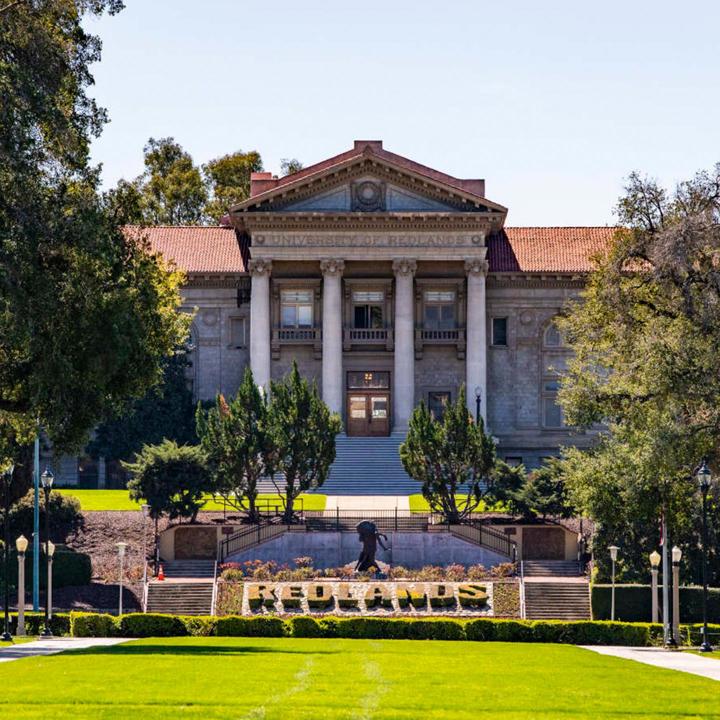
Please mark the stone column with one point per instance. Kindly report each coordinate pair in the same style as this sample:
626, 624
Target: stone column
260, 321
404, 375
332, 350
476, 354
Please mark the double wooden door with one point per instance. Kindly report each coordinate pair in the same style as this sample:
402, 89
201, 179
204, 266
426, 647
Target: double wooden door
368, 413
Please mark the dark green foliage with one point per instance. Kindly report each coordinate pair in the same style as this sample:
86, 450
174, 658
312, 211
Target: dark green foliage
235, 439
84, 624
234, 626
172, 191
35, 623
166, 412
302, 434
633, 603
288, 166
65, 516
152, 625
543, 493
228, 179
86, 314
171, 478
454, 459
484, 629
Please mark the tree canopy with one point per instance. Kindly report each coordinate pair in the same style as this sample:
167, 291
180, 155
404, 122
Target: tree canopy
87, 314
645, 336
228, 179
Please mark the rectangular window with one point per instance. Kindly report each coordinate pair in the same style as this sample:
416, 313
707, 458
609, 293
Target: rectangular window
296, 308
499, 331
237, 332
358, 380
368, 309
552, 412
439, 310
437, 402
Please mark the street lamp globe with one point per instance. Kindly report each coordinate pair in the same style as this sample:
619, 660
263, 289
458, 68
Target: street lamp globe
703, 475
21, 544
676, 554
50, 549
655, 558
121, 548
478, 392
613, 552
47, 479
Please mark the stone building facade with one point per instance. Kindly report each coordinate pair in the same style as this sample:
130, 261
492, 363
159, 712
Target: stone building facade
389, 283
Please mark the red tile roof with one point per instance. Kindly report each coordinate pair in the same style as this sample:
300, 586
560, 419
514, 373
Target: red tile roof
197, 249
547, 249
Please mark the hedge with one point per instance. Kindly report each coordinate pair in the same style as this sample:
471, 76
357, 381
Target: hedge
633, 603
481, 629
35, 623
69, 568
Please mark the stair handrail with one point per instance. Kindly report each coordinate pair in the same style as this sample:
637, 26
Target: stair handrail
213, 599
249, 536
145, 590
522, 590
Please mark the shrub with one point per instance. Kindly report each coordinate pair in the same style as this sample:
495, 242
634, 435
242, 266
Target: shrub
477, 572
303, 562
152, 625
482, 629
260, 596
291, 595
506, 599
306, 627
513, 631
320, 596
65, 516
455, 572
200, 626
633, 603
503, 570
35, 622
93, 625
473, 596
235, 626
441, 596
345, 596
233, 575
229, 598
69, 568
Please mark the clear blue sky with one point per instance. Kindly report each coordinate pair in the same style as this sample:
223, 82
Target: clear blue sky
553, 103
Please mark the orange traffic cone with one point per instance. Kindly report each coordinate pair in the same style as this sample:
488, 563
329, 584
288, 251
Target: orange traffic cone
161, 574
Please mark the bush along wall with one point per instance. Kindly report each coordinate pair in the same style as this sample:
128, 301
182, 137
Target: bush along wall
633, 603
481, 629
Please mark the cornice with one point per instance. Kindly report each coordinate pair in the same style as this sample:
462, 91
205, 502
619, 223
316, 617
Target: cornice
536, 280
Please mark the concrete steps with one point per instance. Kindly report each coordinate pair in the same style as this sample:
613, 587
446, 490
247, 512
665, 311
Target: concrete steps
551, 568
557, 600
180, 598
189, 569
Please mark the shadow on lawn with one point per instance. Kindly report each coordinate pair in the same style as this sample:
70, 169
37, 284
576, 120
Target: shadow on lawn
154, 649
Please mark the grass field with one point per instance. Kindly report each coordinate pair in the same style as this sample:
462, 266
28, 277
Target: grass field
95, 500
296, 679
419, 504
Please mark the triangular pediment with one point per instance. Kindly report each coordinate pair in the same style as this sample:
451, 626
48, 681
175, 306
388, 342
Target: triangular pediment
368, 182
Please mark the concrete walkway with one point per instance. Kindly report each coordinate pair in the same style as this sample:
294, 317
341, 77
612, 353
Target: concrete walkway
669, 659
368, 502
53, 646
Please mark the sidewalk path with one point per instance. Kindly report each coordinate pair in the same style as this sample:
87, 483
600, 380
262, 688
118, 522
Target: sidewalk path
52, 646
669, 659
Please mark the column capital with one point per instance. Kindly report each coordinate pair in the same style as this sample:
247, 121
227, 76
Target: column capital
332, 266
404, 266
476, 267
259, 266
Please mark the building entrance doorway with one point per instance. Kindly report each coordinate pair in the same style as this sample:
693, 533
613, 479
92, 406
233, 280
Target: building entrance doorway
368, 404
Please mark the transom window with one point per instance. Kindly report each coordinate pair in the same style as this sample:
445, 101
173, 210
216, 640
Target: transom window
553, 338
439, 311
368, 309
296, 308
437, 403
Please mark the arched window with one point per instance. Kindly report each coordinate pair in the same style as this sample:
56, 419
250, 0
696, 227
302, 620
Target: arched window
552, 337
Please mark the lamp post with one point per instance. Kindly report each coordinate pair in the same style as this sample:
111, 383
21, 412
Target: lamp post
704, 479
478, 398
146, 515
613, 557
654, 564
21, 545
7, 477
676, 557
50, 557
46, 480
121, 554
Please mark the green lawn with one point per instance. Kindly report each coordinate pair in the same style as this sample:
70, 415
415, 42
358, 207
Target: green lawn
17, 640
120, 500
419, 504
296, 679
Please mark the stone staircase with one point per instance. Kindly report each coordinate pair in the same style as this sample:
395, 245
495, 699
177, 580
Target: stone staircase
551, 568
558, 600
369, 466
186, 590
